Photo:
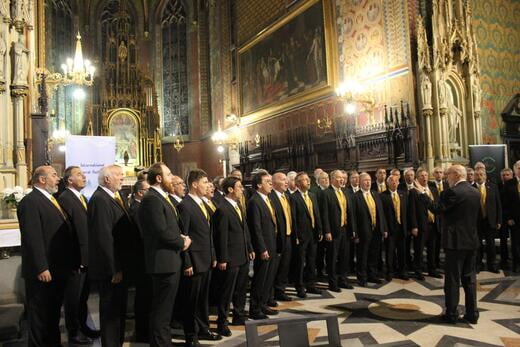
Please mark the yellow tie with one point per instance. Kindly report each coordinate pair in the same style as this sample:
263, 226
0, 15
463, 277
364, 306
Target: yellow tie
483, 192
371, 208
397, 206
167, 198
210, 204
117, 197
441, 188
55, 203
342, 205
431, 216
308, 202
287, 213
273, 216
83, 201
238, 212
382, 187
204, 211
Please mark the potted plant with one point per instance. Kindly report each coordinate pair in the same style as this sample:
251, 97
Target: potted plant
11, 197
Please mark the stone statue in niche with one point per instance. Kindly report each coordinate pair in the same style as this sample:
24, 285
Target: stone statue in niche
3, 51
21, 66
4, 9
442, 89
477, 94
454, 116
426, 91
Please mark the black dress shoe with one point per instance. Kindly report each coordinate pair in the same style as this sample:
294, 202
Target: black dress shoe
259, 315
362, 283
435, 275
471, 319
335, 289
374, 280
238, 321
419, 276
209, 336
449, 319
269, 312
404, 276
224, 331
313, 290
301, 293
282, 297
493, 269
272, 303
345, 285
79, 339
92, 333
191, 343
389, 277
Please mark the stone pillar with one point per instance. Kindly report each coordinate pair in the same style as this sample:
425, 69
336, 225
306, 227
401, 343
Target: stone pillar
5, 73
428, 140
18, 93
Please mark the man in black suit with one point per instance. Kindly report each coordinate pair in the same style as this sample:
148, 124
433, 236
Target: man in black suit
233, 251
163, 243
371, 230
339, 228
470, 175
208, 198
77, 291
178, 190
291, 182
262, 223
285, 223
248, 192
353, 182
423, 229
459, 206
489, 220
308, 227
218, 196
48, 257
512, 213
379, 185
113, 240
395, 205
505, 175
198, 260
142, 281
437, 187
323, 184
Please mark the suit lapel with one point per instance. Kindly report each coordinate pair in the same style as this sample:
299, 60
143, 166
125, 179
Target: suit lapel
50, 204
112, 199
198, 209
300, 196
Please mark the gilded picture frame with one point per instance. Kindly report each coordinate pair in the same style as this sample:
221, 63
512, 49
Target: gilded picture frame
291, 62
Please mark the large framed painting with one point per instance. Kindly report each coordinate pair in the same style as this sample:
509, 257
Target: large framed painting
289, 63
124, 126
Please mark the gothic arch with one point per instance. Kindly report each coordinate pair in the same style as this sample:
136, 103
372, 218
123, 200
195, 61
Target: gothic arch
457, 116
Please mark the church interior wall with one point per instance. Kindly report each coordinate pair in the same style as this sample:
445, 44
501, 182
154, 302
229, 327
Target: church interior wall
497, 25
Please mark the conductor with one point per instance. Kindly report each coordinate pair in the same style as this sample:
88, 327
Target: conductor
459, 205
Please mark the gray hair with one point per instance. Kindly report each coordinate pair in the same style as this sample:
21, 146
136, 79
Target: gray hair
106, 171
363, 174
291, 174
516, 165
459, 170
334, 173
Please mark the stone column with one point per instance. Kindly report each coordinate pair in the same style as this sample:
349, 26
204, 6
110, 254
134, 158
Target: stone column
18, 93
5, 69
428, 140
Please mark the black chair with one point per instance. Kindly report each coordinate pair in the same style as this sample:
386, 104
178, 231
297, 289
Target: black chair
292, 331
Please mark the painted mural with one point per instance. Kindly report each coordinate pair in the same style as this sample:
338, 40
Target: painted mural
497, 24
373, 45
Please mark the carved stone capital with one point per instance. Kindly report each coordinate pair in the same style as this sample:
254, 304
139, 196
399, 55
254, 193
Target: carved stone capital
427, 113
19, 91
19, 25
443, 111
2, 87
476, 114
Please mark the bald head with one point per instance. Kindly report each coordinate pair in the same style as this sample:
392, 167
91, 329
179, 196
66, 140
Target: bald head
46, 178
280, 182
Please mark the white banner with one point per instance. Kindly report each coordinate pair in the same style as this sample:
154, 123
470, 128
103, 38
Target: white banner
90, 153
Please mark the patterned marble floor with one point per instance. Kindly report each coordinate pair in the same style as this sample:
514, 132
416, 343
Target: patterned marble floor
399, 313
